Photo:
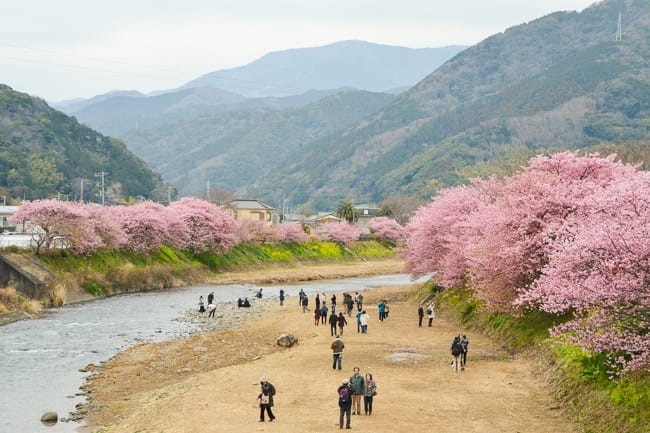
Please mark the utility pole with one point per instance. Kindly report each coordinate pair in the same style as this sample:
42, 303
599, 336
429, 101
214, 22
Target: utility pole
102, 176
619, 29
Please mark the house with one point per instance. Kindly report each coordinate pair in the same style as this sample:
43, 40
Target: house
321, 218
6, 212
366, 213
250, 210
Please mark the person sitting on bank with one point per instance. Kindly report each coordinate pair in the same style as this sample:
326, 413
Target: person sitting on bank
259, 294
246, 303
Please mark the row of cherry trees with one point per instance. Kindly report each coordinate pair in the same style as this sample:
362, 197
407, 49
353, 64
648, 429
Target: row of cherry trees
568, 233
188, 224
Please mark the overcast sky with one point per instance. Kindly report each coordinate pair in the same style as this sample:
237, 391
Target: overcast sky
62, 49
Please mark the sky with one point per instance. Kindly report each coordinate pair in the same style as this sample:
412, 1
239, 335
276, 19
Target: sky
65, 49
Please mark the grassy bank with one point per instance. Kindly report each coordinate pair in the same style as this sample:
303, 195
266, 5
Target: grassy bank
580, 380
108, 273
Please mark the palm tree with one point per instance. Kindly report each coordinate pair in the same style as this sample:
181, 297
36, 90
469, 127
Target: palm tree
347, 211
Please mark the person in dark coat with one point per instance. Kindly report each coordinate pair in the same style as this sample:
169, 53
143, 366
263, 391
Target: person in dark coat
341, 322
266, 399
345, 403
333, 322
420, 315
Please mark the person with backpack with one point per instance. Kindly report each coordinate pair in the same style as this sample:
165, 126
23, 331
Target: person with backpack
464, 347
455, 353
369, 391
345, 403
266, 399
337, 352
357, 386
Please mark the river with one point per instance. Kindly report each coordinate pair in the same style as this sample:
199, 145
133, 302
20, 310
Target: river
40, 359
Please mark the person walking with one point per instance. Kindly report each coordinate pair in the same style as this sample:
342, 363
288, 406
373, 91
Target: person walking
212, 309
357, 386
381, 307
464, 347
323, 314
201, 305
333, 302
317, 313
369, 391
386, 309
358, 319
364, 319
281, 297
345, 403
431, 313
420, 315
266, 399
337, 352
333, 320
455, 353
305, 303
341, 322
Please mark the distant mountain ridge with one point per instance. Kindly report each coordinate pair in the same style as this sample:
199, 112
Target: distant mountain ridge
356, 64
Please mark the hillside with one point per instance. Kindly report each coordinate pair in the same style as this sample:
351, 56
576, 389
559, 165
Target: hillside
560, 82
45, 153
357, 64
234, 148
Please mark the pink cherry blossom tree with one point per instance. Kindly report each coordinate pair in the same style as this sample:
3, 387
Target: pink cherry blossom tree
342, 231
209, 228
291, 233
387, 229
54, 223
255, 231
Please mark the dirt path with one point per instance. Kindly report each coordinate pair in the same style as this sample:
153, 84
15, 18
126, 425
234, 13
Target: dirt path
208, 383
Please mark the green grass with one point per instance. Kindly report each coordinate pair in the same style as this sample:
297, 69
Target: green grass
582, 380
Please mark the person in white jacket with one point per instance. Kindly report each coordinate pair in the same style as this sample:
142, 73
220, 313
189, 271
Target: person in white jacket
364, 319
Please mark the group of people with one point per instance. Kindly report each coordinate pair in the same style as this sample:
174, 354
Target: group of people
459, 349
349, 397
431, 314
211, 308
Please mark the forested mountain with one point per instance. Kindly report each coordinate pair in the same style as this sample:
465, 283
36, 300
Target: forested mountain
233, 148
45, 153
559, 82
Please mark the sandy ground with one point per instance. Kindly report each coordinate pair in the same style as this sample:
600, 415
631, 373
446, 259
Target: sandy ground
209, 382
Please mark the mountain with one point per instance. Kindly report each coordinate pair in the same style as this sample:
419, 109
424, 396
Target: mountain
234, 148
357, 64
559, 82
72, 106
45, 153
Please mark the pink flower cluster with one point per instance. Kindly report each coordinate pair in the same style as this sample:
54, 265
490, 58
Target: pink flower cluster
568, 233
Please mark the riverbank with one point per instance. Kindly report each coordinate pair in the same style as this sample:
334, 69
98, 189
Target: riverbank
208, 382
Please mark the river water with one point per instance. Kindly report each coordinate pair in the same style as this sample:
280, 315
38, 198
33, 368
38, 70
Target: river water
40, 359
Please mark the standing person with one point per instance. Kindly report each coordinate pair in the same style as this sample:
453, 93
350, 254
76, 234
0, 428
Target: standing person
337, 352
212, 309
386, 308
281, 297
317, 316
317, 301
359, 302
364, 319
201, 305
345, 403
381, 307
323, 314
464, 347
210, 297
266, 399
420, 315
305, 303
431, 313
301, 294
334, 320
349, 303
358, 317
370, 390
341, 322
357, 386
455, 353
323, 298
333, 302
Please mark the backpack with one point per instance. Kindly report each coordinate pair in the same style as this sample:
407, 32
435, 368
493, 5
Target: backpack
344, 395
455, 348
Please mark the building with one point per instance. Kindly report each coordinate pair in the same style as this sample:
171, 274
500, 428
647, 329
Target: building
250, 210
6, 212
